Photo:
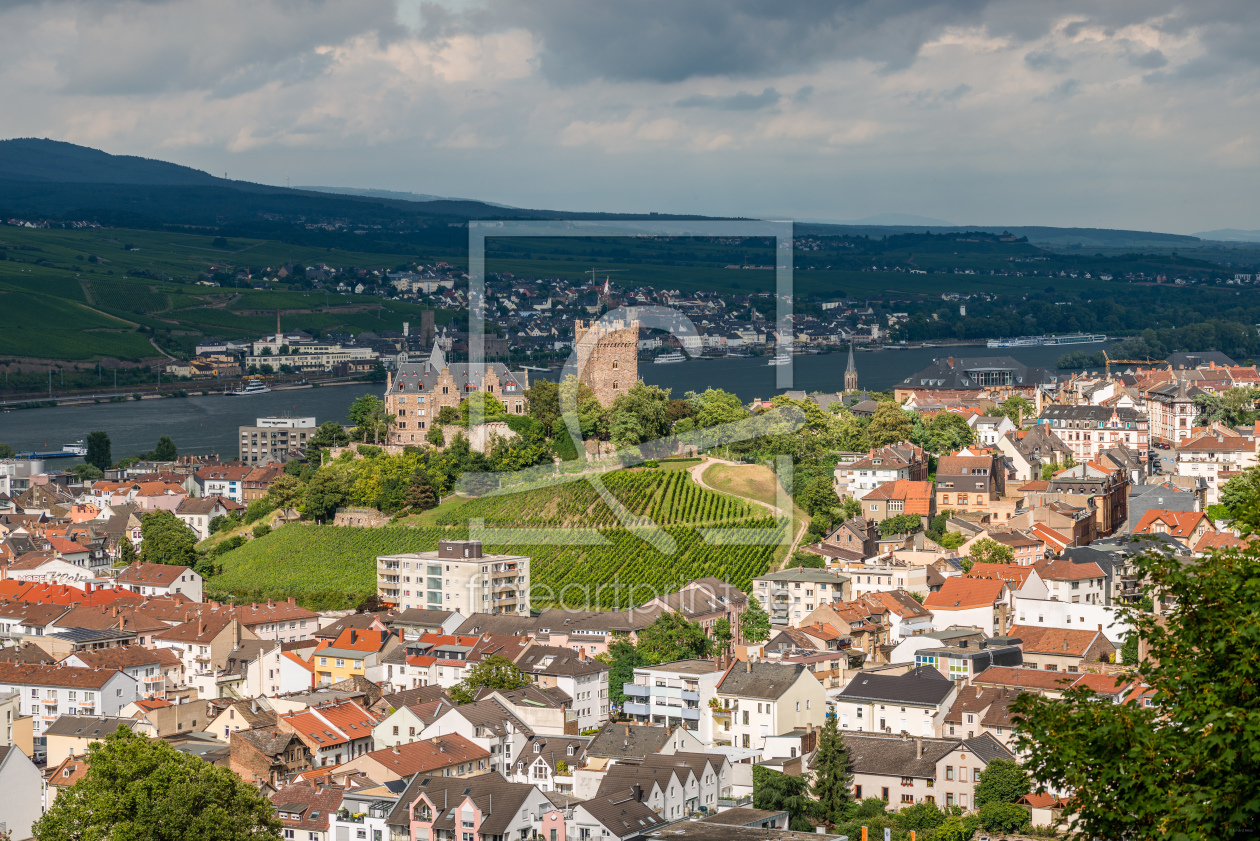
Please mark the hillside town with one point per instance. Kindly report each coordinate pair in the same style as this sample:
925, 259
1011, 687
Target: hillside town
957, 580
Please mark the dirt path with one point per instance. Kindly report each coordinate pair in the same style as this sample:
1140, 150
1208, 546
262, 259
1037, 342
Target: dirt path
697, 475
159, 350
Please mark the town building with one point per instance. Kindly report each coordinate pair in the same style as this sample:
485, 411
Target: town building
274, 439
904, 771
969, 483
1090, 430
878, 467
913, 702
607, 357
417, 391
761, 699
457, 576
791, 594
671, 693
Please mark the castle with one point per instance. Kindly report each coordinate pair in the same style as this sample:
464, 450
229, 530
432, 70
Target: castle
417, 391
612, 366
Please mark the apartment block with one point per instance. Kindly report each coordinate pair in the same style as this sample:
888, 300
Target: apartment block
458, 576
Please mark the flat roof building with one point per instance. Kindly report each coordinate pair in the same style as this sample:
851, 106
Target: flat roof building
458, 576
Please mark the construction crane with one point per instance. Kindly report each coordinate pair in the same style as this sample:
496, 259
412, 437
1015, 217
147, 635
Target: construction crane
1108, 360
605, 272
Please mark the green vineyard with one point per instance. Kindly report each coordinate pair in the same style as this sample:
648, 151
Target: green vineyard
666, 497
334, 567
122, 296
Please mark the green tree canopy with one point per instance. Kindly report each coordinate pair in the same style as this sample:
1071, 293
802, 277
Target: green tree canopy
754, 622
715, 406
987, 551
286, 491
776, 792
639, 415
6, 451
1002, 781
807, 560
1195, 745
1241, 489
888, 425
622, 658
494, 672
87, 472
672, 637
329, 434
165, 449
145, 790
948, 431
369, 417
900, 524
99, 454
818, 495
1020, 410
166, 540
324, 493
833, 784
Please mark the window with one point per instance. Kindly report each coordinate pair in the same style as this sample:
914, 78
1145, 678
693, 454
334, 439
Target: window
883, 795
949, 772
907, 798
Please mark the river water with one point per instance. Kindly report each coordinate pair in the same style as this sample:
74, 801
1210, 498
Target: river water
209, 424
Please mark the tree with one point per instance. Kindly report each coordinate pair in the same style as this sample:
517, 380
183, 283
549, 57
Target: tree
988, 551
369, 417
166, 540
948, 431
888, 425
1129, 650
754, 622
1003, 817
639, 415
126, 552
1241, 489
6, 451
1002, 781
494, 672
87, 472
420, 493
672, 637
1018, 409
286, 492
98, 450
139, 788
165, 449
818, 496
1195, 743
850, 508
722, 634
324, 493
832, 780
622, 658
715, 407
776, 792
329, 434
900, 524
808, 560
262, 530
921, 816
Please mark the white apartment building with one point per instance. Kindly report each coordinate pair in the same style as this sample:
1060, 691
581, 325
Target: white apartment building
275, 437
48, 692
458, 576
759, 699
672, 693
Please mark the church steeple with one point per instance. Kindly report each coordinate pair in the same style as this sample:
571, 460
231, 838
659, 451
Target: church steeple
850, 372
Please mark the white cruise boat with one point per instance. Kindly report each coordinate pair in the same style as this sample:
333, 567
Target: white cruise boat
780, 359
669, 359
251, 387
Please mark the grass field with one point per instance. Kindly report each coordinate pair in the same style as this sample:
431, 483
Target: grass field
751, 480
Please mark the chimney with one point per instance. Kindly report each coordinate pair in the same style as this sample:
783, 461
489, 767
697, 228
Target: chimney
748, 665
918, 748
627, 731
354, 636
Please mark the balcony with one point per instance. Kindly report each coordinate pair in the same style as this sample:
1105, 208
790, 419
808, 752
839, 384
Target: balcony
635, 690
690, 714
689, 695
632, 708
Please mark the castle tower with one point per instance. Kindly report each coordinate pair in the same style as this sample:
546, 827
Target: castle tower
612, 366
850, 373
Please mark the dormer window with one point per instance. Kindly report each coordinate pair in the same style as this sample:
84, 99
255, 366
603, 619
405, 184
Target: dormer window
537, 747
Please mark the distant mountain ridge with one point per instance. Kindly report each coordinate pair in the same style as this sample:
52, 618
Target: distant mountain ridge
55, 179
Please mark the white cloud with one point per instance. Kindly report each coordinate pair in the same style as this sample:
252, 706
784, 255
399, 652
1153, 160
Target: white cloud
1119, 114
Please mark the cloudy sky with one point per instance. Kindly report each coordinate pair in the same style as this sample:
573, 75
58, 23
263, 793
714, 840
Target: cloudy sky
1118, 113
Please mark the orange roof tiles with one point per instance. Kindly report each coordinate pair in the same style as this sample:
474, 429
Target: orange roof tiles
1176, 523
917, 495
1064, 642
1010, 573
961, 593
1066, 570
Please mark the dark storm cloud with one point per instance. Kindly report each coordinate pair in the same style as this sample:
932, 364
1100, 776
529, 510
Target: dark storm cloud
738, 102
669, 41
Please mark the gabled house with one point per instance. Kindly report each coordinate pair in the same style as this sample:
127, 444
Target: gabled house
758, 699
160, 580
267, 755
305, 810
1062, 649
487, 724
448, 756
334, 732
914, 702
969, 483
904, 771
983, 603
548, 762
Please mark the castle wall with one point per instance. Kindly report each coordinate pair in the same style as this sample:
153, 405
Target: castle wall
613, 365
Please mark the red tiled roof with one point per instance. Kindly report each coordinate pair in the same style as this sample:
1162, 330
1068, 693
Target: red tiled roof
960, 593
1066, 570
1064, 642
1178, 523
1010, 573
1024, 678
917, 495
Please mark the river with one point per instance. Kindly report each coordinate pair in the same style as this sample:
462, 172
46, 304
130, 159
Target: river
209, 424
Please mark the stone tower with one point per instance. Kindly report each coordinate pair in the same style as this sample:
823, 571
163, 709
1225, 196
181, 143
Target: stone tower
613, 365
850, 372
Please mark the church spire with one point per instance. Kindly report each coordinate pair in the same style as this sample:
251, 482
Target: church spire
850, 372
